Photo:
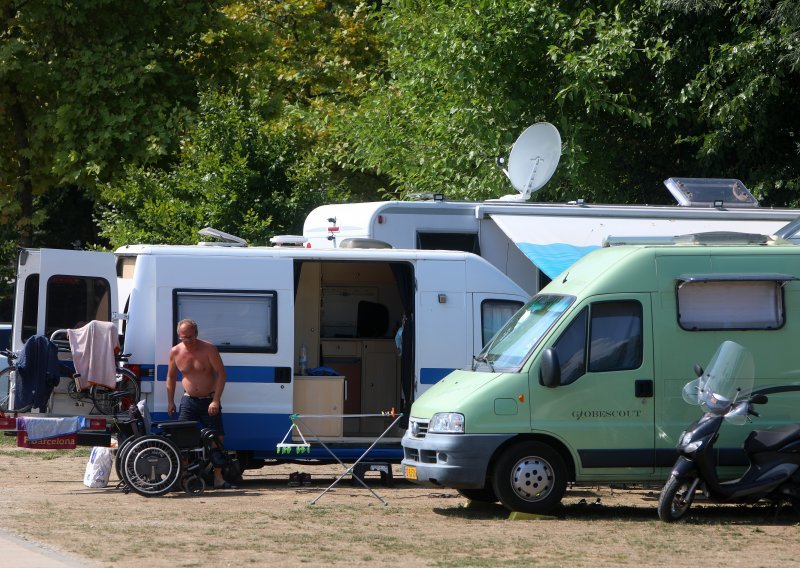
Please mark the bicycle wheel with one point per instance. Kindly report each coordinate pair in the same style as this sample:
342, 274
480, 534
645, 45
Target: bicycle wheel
112, 402
6, 378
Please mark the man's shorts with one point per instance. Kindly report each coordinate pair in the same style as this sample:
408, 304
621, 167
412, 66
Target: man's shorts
196, 408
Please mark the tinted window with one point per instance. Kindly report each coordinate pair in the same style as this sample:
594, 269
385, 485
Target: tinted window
616, 337
74, 301
465, 242
614, 340
30, 306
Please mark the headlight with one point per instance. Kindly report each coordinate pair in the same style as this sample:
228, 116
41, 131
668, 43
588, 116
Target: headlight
446, 423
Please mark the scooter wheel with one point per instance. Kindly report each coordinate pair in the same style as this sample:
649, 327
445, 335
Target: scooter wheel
675, 499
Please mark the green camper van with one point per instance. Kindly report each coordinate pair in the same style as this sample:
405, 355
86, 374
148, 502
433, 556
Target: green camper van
584, 382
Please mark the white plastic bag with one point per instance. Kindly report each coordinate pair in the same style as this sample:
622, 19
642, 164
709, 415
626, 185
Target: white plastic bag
98, 468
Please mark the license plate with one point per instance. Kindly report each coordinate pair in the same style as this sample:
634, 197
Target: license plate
411, 472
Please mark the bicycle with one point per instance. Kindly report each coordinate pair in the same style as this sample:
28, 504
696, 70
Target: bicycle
7, 379
106, 401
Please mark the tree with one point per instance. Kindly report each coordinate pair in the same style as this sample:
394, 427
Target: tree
639, 90
258, 156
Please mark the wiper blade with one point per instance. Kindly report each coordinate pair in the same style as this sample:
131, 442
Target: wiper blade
482, 359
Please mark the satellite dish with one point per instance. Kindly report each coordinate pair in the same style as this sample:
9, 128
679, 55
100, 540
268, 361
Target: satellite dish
533, 159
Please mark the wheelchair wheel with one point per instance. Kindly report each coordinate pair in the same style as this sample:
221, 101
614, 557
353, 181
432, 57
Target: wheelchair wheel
151, 465
122, 449
117, 401
193, 484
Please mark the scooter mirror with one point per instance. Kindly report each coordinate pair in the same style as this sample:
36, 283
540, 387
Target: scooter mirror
759, 399
698, 370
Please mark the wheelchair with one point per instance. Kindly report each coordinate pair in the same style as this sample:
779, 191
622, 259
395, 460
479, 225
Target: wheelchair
172, 455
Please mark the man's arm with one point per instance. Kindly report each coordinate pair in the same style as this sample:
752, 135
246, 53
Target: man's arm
172, 379
219, 380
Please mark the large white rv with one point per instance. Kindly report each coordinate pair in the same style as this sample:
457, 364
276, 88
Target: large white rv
262, 306
533, 242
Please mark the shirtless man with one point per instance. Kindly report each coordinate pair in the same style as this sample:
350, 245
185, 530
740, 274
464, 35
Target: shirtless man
203, 382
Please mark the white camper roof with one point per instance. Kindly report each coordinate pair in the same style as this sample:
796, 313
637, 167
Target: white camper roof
552, 236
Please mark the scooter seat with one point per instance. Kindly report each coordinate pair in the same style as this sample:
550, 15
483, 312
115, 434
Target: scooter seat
770, 440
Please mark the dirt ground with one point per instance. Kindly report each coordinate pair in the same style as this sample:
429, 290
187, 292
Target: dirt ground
267, 522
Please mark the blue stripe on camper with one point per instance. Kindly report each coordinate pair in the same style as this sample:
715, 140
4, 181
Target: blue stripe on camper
234, 374
430, 376
553, 259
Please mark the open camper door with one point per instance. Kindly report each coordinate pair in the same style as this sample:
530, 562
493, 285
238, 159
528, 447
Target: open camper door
61, 289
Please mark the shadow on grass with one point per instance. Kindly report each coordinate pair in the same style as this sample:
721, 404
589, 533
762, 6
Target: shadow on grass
701, 514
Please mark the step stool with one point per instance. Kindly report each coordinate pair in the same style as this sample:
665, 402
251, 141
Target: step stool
384, 468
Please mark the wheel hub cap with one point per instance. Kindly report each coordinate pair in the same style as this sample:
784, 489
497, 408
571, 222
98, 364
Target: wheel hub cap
532, 479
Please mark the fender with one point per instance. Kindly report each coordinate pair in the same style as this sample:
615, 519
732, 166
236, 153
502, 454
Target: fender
684, 466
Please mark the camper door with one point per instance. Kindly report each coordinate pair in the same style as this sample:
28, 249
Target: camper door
62, 289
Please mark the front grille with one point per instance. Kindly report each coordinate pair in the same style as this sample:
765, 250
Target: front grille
419, 428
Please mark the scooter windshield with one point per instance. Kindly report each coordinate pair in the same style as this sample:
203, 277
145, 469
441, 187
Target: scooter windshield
728, 377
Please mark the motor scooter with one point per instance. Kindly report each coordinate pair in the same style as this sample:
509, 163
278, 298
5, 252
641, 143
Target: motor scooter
725, 393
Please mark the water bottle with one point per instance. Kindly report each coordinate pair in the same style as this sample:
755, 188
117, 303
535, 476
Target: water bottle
303, 359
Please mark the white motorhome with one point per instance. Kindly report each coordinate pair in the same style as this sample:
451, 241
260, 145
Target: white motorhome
533, 242
261, 306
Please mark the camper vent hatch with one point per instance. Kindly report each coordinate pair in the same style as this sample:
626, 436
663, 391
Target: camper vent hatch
224, 239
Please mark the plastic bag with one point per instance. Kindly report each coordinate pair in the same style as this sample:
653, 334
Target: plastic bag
98, 468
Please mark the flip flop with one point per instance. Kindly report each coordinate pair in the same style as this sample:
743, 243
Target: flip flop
225, 485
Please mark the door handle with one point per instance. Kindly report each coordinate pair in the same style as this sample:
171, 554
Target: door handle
643, 388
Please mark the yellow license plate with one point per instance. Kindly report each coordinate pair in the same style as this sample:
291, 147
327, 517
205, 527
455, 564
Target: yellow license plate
411, 472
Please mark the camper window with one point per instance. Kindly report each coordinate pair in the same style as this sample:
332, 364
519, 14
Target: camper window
72, 301
615, 340
494, 313
233, 321
730, 304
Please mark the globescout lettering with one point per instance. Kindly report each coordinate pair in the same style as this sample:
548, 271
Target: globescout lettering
581, 414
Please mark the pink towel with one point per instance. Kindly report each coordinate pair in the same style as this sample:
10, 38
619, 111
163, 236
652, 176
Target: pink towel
93, 347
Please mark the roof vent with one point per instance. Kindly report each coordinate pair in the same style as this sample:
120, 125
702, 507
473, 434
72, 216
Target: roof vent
364, 244
225, 239
288, 241
710, 192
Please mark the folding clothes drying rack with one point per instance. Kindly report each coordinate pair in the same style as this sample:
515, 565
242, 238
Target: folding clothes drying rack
304, 446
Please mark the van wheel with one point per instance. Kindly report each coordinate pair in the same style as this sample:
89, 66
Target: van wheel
530, 477
481, 495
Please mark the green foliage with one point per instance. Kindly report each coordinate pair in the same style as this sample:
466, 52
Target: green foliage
455, 92
639, 90
231, 175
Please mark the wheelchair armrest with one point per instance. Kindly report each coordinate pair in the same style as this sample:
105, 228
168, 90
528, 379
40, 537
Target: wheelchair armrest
172, 424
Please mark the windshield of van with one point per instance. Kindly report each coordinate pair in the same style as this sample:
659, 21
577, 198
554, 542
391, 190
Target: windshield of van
516, 339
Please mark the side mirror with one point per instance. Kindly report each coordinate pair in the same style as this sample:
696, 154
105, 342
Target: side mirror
698, 370
550, 369
759, 399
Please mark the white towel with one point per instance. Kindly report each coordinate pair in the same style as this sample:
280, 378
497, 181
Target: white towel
93, 347
41, 428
